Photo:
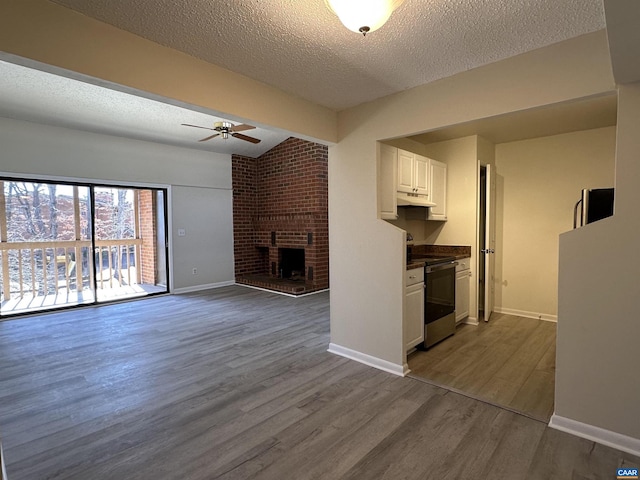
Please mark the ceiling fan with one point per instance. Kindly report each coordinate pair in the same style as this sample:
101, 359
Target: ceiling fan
225, 129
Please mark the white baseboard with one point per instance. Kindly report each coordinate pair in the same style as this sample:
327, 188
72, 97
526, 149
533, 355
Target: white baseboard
470, 321
282, 293
596, 434
401, 370
524, 313
208, 286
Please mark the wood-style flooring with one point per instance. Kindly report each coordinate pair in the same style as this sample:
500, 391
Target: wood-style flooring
509, 361
236, 383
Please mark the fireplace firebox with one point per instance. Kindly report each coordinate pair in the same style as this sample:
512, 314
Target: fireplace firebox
291, 263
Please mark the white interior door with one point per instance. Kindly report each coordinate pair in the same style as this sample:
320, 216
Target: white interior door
489, 242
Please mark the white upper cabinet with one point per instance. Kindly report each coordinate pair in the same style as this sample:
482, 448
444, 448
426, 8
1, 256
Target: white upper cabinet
406, 169
413, 173
387, 172
406, 178
438, 179
422, 172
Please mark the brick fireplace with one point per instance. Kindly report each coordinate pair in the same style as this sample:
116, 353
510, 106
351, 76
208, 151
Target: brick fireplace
280, 217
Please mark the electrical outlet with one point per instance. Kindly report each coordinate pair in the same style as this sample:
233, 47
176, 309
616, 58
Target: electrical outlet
195, 271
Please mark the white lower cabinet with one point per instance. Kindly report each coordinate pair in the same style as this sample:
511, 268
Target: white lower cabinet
463, 286
413, 321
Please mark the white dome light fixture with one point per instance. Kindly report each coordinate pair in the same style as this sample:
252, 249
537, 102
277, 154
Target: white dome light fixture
363, 16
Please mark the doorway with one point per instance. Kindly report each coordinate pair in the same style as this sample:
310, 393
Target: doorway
486, 240
482, 241
68, 244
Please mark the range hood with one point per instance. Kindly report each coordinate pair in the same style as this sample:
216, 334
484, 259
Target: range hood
412, 200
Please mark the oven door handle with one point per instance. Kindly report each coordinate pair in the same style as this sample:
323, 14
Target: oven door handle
435, 268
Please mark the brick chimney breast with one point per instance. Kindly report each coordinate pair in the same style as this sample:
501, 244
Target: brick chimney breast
281, 202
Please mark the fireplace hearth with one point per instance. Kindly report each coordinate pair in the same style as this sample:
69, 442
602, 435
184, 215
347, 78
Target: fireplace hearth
285, 269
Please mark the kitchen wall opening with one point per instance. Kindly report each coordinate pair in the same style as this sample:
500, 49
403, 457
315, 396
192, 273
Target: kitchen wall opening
68, 244
545, 158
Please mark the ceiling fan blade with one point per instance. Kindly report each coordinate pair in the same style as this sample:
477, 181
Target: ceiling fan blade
245, 137
241, 128
197, 126
209, 138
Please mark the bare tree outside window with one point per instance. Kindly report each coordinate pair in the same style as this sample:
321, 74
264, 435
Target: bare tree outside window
67, 244
115, 220
36, 213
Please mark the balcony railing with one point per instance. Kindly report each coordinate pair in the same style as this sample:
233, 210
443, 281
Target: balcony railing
49, 267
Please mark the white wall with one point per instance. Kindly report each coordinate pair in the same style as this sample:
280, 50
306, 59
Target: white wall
206, 214
599, 305
541, 180
201, 193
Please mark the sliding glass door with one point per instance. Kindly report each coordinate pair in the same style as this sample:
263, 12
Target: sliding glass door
68, 244
126, 243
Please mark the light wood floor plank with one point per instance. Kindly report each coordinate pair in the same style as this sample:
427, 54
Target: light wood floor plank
509, 361
237, 383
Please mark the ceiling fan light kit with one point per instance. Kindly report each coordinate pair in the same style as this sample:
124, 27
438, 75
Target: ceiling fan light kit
363, 16
225, 129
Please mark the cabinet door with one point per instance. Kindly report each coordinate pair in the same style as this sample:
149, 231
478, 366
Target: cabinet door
462, 294
421, 175
387, 172
405, 171
438, 179
413, 315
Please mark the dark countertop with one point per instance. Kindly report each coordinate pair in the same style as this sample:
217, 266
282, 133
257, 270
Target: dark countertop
417, 263
414, 264
421, 251
435, 250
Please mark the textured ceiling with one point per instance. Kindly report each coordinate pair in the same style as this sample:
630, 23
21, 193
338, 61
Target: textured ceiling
42, 97
300, 47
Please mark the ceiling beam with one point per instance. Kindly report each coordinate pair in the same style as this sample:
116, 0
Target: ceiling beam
47, 33
623, 33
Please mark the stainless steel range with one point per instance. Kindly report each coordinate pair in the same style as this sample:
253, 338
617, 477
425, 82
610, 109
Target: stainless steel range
440, 299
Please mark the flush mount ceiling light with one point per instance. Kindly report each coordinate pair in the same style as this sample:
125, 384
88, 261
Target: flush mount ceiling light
363, 16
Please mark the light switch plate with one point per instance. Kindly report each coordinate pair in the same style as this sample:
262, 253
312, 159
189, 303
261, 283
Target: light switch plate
182, 232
